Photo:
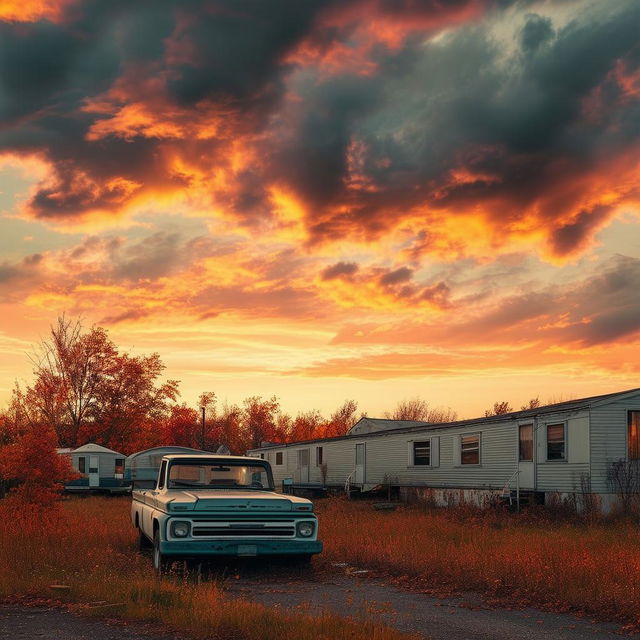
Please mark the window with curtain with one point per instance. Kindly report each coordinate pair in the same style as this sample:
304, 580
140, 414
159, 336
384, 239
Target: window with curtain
556, 445
422, 453
470, 449
526, 443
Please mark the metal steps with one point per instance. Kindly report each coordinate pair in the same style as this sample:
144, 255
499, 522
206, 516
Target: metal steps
528, 498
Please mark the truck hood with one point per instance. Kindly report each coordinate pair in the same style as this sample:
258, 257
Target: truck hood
212, 500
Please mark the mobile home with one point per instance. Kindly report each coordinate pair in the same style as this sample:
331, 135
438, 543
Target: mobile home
562, 450
101, 469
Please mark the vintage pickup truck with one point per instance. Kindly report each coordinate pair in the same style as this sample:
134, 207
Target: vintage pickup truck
215, 505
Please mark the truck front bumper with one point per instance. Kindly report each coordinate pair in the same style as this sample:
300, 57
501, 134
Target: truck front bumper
245, 548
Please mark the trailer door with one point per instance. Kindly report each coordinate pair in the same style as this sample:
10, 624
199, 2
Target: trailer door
94, 471
361, 458
303, 465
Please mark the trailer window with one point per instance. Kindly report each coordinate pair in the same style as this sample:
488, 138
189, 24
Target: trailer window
319, 453
556, 445
82, 464
422, 453
470, 449
278, 457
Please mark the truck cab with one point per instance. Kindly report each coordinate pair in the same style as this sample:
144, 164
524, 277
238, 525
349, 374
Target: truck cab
214, 505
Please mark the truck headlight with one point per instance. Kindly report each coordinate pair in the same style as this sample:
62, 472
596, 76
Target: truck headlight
305, 529
180, 529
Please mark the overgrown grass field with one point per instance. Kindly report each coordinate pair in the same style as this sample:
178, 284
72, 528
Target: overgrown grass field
531, 557
90, 546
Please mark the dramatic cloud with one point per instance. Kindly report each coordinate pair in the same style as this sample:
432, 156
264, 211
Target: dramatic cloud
419, 188
339, 269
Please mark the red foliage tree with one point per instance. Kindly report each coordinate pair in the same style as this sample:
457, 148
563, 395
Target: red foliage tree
32, 469
87, 391
181, 428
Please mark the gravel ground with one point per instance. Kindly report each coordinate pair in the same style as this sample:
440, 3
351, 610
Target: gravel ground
27, 623
461, 618
340, 591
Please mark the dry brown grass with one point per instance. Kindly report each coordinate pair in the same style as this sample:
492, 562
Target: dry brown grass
90, 545
588, 567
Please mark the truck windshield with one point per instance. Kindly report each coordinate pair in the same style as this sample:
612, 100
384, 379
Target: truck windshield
195, 475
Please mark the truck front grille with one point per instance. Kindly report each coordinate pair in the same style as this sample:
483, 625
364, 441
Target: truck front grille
244, 529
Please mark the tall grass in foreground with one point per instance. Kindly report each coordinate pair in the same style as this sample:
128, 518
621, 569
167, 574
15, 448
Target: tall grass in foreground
594, 568
89, 545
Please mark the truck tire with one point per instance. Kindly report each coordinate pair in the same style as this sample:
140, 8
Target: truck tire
299, 559
143, 542
161, 562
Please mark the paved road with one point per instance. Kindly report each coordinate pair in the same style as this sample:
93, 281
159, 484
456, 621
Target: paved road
439, 619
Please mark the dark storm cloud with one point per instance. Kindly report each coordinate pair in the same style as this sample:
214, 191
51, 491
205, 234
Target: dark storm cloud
314, 153
339, 269
451, 124
571, 235
517, 124
235, 46
226, 51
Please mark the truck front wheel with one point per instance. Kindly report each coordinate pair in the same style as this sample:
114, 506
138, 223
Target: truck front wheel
161, 562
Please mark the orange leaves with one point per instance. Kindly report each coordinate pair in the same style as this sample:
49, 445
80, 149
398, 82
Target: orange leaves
33, 468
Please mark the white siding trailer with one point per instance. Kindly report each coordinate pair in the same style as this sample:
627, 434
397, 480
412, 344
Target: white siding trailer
100, 469
564, 450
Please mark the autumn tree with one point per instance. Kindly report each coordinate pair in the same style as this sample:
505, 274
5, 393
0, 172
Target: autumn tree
31, 469
127, 397
419, 410
85, 389
533, 403
307, 425
228, 424
341, 420
259, 421
181, 427
499, 409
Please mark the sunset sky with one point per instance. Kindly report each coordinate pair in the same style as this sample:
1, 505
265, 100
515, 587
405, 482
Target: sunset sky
372, 199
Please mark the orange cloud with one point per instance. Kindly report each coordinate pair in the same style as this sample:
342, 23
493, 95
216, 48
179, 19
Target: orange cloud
32, 10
